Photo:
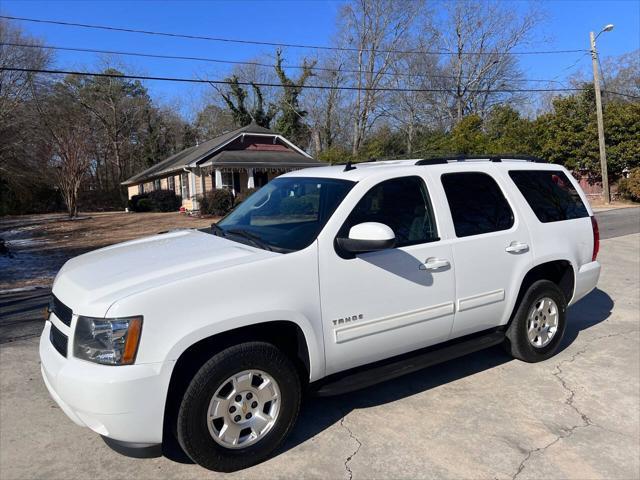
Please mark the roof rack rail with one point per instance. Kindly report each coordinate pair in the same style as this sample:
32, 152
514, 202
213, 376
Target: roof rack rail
489, 158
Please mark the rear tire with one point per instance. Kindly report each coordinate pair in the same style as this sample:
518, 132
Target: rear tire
261, 418
537, 328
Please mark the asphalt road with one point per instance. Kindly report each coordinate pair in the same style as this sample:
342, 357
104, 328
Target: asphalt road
618, 222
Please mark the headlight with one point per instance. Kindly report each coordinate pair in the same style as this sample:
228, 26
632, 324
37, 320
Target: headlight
109, 341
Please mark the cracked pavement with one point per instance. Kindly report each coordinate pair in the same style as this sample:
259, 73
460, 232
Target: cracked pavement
576, 415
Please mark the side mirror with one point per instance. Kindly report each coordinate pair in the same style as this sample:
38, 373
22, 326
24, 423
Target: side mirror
367, 237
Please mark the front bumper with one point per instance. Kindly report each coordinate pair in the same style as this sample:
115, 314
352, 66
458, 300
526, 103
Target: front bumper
124, 403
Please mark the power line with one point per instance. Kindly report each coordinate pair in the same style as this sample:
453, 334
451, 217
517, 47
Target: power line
612, 92
265, 84
248, 63
273, 44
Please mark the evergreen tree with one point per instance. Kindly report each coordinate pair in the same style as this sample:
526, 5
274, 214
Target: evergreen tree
290, 122
243, 116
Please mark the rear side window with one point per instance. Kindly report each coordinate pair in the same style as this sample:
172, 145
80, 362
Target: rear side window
477, 204
550, 194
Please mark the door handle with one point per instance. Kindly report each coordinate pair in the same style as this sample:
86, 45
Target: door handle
517, 247
433, 263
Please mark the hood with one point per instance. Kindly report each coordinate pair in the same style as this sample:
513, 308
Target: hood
90, 283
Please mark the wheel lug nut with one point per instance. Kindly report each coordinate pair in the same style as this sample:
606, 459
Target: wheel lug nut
248, 416
238, 398
254, 404
237, 418
249, 396
232, 409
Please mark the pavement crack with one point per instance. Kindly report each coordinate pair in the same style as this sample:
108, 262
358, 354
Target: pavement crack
572, 394
569, 401
354, 453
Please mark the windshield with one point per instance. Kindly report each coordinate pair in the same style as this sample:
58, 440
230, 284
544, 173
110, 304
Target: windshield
285, 215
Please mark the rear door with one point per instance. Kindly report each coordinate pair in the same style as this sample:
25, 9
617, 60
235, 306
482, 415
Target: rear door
491, 251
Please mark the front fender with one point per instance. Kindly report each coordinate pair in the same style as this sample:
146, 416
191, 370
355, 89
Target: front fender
316, 356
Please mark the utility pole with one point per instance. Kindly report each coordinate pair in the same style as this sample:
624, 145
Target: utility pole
603, 153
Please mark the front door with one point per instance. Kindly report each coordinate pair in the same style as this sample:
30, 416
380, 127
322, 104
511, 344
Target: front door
380, 304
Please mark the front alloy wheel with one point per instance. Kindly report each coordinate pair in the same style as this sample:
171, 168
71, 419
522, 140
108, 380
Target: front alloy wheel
244, 409
239, 407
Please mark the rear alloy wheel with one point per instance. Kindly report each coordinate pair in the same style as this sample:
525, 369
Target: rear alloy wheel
239, 407
542, 322
536, 330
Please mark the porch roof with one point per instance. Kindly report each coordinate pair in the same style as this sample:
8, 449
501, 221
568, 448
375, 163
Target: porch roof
258, 159
204, 153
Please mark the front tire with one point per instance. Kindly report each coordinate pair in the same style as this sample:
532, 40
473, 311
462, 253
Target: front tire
239, 407
537, 328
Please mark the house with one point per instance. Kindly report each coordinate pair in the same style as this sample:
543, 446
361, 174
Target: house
243, 159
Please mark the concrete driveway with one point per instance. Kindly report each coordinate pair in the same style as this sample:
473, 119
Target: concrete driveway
482, 416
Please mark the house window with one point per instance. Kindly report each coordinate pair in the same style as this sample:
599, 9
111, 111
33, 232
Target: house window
141, 189
231, 180
184, 181
172, 183
156, 184
227, 180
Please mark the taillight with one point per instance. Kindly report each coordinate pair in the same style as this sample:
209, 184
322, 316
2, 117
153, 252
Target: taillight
596, 238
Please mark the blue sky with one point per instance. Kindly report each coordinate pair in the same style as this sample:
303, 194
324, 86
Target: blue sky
567, 26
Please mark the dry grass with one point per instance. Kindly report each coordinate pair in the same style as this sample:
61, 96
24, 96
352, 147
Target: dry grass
40, 244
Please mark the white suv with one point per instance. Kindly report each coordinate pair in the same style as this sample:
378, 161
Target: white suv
327, 279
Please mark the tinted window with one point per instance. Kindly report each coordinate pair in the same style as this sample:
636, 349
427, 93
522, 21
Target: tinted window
287, 214
477, 204
403, 205
550, 194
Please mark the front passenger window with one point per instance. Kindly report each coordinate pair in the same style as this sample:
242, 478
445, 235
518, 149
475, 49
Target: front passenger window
403, 205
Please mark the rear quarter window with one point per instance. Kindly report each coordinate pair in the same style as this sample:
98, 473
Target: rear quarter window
550, 194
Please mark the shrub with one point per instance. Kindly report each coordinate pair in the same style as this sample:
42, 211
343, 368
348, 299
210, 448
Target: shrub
630, 187
144, 205
335, 155
156, 201
164, 201
241, 197
133, 203
216, 202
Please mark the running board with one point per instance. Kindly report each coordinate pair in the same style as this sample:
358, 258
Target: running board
367, 375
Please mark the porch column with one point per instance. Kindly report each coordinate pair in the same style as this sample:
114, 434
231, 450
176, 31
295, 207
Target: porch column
218, 179
192, 190
250, 182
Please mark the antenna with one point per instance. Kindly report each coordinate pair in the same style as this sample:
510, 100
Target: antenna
348, 167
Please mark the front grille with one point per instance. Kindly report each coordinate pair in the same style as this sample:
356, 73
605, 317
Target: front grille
61, 311
59, 340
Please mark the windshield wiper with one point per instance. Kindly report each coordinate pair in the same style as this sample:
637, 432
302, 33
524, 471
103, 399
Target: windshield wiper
252, 237
216, 230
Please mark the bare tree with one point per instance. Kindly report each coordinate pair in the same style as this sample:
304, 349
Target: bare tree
65, 125
328, 114
377, 29
482, 35
415, 105
18, 145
